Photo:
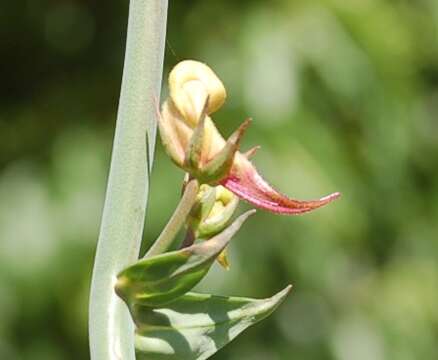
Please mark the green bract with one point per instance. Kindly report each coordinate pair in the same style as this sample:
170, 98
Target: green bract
160, 279
195, 326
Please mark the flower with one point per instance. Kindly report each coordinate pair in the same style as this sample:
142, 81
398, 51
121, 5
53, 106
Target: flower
194, 143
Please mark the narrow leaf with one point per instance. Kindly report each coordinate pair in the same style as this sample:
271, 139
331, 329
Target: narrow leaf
196, 326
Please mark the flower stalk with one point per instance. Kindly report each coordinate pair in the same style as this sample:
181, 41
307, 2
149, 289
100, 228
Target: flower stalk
177, 220
111, 329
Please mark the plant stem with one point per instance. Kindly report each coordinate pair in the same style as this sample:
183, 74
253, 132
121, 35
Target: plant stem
110, 326
177, 220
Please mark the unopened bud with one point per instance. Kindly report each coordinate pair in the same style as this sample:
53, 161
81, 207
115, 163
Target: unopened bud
190, 82
220, 214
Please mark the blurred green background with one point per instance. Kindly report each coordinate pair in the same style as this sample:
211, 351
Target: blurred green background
344, 96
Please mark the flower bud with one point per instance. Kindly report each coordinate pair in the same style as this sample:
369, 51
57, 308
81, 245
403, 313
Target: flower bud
206, 225
211, 214
190, 83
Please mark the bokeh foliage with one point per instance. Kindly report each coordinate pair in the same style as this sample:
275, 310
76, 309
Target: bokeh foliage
344, 96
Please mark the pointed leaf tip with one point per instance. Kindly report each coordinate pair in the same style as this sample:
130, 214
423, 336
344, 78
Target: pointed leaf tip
196, 326
280, 296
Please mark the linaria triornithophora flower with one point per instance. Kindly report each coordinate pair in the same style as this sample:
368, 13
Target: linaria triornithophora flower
194, 143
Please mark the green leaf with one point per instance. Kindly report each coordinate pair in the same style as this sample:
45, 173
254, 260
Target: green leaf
160, 279
196, 326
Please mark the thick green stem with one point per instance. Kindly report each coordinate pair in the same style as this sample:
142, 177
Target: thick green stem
177, 220
110, 326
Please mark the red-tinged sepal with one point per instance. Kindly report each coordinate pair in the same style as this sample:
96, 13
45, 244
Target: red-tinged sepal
246, 183
220, 165
251, 152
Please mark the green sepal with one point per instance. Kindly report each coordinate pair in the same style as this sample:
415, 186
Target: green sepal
220, 165
163, 278
195, 149
196, 326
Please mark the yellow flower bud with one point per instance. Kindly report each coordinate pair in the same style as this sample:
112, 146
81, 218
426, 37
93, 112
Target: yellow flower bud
190, 84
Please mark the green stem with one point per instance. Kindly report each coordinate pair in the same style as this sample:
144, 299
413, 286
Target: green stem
177, 220
110, 327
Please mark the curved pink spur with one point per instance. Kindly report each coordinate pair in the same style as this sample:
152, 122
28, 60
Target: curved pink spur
247, 184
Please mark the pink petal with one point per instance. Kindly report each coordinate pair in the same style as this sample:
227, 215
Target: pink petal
246, 183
